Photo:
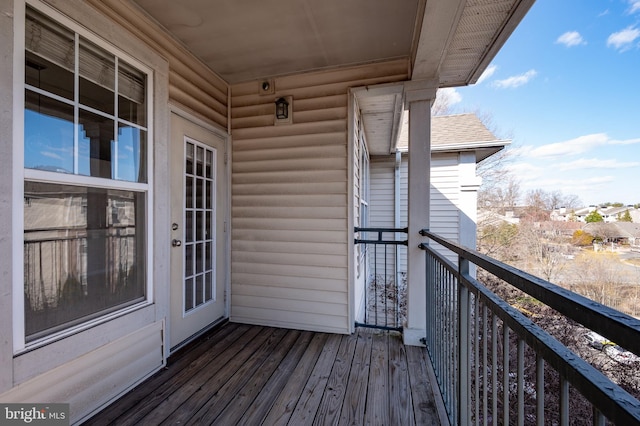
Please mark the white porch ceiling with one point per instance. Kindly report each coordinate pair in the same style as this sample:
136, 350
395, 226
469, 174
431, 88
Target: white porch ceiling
447, 41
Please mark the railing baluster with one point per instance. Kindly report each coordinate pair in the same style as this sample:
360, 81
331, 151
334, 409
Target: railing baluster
485, 370
539, 390
463, 360
494, 369
520, 382
564, 401
505, 374
476, 383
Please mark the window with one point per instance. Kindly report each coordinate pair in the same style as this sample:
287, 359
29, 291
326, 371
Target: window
86, 190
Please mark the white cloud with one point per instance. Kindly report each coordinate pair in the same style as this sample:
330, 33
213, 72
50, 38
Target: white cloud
515, 81
491, 69
450, 95
578, 145
635, 6
622, 40
571, 38
595, 163
51, 155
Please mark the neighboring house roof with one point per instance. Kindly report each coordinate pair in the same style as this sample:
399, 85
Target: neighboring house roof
454, 133
615, 229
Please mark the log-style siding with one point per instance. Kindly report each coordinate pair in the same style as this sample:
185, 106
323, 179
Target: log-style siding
192, 85
291, 207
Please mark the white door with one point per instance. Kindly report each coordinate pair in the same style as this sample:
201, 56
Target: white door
198, 258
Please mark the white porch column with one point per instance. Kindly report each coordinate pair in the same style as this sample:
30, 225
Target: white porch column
419, 96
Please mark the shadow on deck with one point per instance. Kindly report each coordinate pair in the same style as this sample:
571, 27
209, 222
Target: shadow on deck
242, 374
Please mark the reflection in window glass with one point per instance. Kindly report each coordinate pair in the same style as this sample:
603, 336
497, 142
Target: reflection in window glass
49, 56
48, 134
131, 94
46, 75
132, 149
83, 254
97, 77
95, 145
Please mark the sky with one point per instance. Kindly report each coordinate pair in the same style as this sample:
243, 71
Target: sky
565, 88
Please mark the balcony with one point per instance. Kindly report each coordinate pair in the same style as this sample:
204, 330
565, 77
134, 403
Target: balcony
484, 362
241, 374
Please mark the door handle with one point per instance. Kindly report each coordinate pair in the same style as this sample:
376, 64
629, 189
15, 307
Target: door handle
176, 243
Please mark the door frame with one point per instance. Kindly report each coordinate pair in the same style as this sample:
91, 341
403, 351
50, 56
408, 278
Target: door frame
226, 257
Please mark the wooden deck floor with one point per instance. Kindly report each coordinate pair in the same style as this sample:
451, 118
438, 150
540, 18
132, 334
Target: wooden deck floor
251, 375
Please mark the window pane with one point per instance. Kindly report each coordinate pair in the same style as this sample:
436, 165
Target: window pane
83, 254
48, 134
132, 150
48, 76
50, 54
131, 94
97, 77
95, 145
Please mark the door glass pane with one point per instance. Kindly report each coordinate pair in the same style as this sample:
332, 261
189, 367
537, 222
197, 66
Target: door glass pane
199, 161
188, 294
209, 163
189, 159
208, 194
199, 290
188, 260
188, 226
48, 134
199, 258
200, 193
199, 226
208, 287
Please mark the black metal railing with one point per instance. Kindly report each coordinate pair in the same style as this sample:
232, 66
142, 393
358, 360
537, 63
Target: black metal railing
495, 365
382, 277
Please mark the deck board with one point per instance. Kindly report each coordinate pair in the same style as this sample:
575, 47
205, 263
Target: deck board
252, 375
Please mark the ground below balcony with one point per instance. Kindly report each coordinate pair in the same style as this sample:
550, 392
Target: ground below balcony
250, 375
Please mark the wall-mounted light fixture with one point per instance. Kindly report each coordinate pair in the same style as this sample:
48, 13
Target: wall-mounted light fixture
282, 109
284, 106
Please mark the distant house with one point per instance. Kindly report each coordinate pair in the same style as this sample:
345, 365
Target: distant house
627, 233
609, 214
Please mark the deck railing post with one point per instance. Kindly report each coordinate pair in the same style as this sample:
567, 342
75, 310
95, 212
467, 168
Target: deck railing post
464, 318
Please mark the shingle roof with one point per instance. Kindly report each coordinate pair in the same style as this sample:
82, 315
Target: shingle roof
452, 129
456, 132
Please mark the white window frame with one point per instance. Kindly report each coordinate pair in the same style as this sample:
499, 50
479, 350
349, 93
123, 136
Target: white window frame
21, 174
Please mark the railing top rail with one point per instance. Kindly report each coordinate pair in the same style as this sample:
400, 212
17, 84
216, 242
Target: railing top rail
616, 326
359, 229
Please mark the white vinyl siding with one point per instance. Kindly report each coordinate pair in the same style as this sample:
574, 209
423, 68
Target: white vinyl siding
445, 196
290, 200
